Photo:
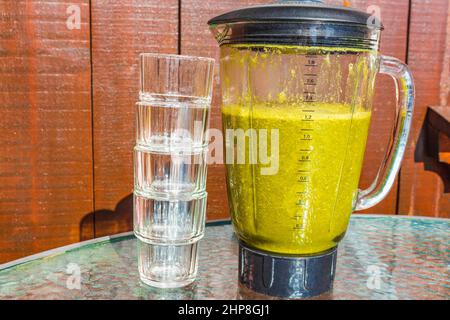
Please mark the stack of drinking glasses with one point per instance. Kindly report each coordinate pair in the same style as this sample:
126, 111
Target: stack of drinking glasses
170, 162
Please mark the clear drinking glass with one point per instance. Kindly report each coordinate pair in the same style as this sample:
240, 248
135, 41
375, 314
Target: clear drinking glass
172, 119
167, 266
159, 173
158, 220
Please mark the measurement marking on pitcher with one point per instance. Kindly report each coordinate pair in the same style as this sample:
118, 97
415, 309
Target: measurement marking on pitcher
310, 97
310, 81
305, 157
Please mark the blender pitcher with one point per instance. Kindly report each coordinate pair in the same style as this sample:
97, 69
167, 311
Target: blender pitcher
297, 88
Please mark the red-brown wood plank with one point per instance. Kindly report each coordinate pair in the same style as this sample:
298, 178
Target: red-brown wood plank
45, 127
445, 75
196, 40
121, 29
421, 186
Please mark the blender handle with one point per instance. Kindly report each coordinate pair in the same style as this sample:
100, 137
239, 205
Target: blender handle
391, 164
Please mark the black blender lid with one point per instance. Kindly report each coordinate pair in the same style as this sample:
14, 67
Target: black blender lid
298, 23
296, 11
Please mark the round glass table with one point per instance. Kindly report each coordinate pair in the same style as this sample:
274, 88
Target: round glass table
381, 257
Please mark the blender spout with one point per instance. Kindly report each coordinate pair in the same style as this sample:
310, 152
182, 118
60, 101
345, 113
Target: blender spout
220, 32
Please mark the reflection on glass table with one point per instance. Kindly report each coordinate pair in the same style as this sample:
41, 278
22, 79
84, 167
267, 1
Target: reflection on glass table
381, 257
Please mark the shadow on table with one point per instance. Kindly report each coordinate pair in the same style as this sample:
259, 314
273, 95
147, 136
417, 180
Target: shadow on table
106, 222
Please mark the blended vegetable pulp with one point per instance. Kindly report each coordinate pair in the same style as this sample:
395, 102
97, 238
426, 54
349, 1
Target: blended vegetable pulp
304, 208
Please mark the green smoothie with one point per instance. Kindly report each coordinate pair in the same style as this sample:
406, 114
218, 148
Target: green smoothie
305, 207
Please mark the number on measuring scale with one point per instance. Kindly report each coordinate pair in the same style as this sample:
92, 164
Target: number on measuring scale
301, 203
304, 159
303, 179
310, 82
298, 226
311, 62
309, 97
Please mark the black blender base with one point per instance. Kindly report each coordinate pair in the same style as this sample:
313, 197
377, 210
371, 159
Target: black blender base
286, 276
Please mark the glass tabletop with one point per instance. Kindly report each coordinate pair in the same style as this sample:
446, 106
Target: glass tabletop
381, 257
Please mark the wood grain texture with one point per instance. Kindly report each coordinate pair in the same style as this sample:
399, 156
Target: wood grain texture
197, 40
445, 75
422, 189
120, 31
45, 127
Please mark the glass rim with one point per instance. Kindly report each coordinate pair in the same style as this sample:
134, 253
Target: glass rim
147, 99
175, 56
